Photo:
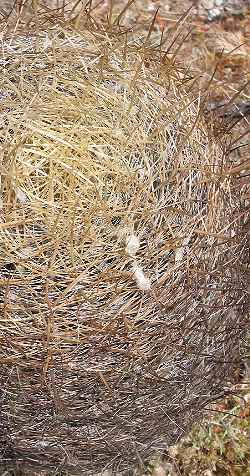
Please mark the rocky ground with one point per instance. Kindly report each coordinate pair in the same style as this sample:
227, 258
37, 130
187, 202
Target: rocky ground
209, 10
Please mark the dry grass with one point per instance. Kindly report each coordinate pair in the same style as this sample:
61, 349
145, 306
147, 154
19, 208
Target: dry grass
123, 246
219, 446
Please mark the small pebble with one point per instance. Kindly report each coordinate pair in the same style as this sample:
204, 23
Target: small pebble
219, 3
214, 14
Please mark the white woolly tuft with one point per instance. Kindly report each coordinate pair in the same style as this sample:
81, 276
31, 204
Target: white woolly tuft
142, 281
133, 245
21, 196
